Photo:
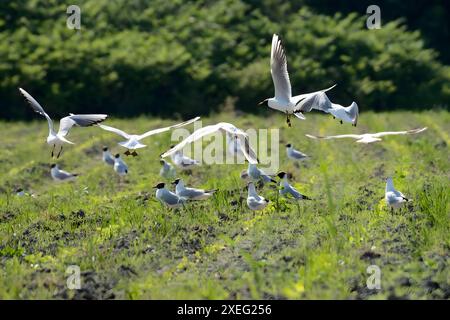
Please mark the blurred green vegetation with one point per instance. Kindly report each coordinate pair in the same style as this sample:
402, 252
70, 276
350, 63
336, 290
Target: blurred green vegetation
188, 58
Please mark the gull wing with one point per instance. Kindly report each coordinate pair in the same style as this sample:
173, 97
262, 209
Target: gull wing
36, 107
248, 151
63, 175
354, 136
196, 135
115, 130
399, 194
170, 198
353, 112
390, 133
160, 130
316, 100
254, 201
244, 143
294, 192
192, 192
313, 100
298, 154
81, 120
278, 70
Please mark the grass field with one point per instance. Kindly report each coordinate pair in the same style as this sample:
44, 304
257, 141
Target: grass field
128, 246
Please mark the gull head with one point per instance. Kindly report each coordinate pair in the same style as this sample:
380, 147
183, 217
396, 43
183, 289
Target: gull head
18, 190
53, 165
160, 185
175, 182
105, 148
288, 145
281, 175
162, 162
117, 156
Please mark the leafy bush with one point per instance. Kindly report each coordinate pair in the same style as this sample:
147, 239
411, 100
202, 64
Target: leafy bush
164, 57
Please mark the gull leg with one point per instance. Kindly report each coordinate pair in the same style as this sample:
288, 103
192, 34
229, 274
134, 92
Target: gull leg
288, 120
59, 153
53, 150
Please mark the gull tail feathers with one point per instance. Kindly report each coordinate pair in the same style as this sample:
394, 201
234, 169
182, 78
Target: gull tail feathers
299, 115
65, 140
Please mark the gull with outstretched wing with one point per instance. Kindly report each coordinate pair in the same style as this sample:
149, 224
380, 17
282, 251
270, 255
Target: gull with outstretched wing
283, 100
65, 124
225, 127
133, 141
368, 137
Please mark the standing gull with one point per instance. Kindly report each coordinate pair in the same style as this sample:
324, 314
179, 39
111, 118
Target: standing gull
167, 197
395, 199
134, 141
254, 201
283, 100
57, 139
368, 137
295, 154
107, 157
287, 189
61, 175
191, 193
119, 166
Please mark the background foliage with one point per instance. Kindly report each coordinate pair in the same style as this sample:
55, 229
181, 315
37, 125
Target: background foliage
164, 57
